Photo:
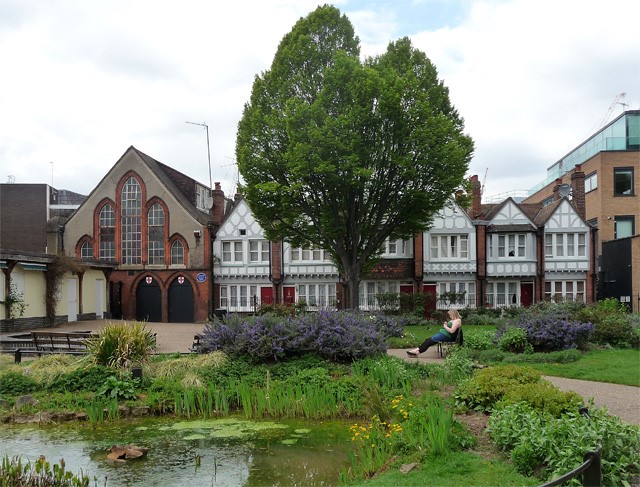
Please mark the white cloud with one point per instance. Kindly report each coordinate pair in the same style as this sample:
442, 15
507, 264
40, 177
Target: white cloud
82, 81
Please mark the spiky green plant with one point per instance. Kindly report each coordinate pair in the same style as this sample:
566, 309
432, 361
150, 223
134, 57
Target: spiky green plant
120, 345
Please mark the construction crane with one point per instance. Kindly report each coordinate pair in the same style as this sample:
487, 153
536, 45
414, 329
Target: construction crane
616, 101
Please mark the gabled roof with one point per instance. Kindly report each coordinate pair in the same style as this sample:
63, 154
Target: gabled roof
536, 212
181, 186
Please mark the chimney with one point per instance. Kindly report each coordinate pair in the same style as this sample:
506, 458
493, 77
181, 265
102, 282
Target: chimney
577, 191
218, 204
476, 195
556, 187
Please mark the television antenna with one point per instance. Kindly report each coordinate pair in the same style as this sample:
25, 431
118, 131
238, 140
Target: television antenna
204, 124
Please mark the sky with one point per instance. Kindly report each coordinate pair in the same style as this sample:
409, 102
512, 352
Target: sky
82, 81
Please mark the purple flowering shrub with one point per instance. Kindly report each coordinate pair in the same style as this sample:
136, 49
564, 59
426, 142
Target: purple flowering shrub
553, 334
341, 336
552, 327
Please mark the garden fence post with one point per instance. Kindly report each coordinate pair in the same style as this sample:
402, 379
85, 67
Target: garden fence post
592, 476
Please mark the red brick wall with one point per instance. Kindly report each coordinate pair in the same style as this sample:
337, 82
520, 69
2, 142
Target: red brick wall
392, 269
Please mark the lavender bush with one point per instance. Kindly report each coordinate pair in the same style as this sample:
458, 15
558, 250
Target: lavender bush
341, 336
552, 333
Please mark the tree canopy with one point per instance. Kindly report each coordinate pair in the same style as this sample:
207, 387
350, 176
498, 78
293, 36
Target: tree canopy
344, 153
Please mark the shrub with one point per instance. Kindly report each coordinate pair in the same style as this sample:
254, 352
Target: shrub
115, 388
16, 384
551, 332
85, 379
551, 447
613, 323
482, 340
614, 330
514, 340
120, 345
340, 336
488, 386
543, 396
276, 309
479, 319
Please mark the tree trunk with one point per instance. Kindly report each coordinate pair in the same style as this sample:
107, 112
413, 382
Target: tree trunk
353, 283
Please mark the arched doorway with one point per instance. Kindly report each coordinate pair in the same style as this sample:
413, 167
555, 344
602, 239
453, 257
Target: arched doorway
181, 301
148, 300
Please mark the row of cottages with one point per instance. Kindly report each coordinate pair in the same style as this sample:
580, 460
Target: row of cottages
492, 255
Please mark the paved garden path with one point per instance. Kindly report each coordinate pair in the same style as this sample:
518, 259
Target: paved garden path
622, 401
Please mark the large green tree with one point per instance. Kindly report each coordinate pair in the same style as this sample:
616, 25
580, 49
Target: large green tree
343, 153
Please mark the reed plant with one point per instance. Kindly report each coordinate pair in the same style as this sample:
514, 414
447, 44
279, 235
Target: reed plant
372, 446
40, 473
439, 419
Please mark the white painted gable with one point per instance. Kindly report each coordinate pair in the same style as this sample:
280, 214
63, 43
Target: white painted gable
451, 219
241, 218
565, 218
510, 214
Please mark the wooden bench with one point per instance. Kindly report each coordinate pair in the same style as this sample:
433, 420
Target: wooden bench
52, 342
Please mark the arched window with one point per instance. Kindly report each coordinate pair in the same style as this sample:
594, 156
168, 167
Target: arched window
86, 251
131, 226
155, 221
107, 242
177, 252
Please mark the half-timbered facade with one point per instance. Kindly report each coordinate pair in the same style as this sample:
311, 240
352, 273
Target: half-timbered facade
450, 257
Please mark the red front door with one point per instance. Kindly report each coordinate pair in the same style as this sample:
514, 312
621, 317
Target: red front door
526, 293
266, 295
289, 294
429, 291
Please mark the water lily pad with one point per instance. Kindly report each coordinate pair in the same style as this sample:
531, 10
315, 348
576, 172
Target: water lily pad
142, 428
302, 431
290, 441
195, 436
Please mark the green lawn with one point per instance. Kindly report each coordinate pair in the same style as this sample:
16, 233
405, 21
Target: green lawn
618, 366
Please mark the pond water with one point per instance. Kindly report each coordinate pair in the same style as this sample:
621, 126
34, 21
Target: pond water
230, 451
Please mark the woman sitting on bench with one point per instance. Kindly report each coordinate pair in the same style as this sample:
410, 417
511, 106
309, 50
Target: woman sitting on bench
448, 333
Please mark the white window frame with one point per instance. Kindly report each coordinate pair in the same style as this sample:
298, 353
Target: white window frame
308, 254
569, 290
591, 182
258, 251
565, 245
468, 287
232, 252
239, 297
500, 294
449, 247
317, 296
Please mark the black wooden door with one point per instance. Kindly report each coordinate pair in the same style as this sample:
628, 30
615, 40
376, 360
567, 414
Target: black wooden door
148, 301
181, 301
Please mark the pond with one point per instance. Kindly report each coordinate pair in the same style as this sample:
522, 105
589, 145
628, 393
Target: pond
213, 452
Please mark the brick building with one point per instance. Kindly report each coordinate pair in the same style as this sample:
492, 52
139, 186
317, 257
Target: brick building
158, 226
610, 161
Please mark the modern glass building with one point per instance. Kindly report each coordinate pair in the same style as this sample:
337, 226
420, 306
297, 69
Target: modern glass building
622, 134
